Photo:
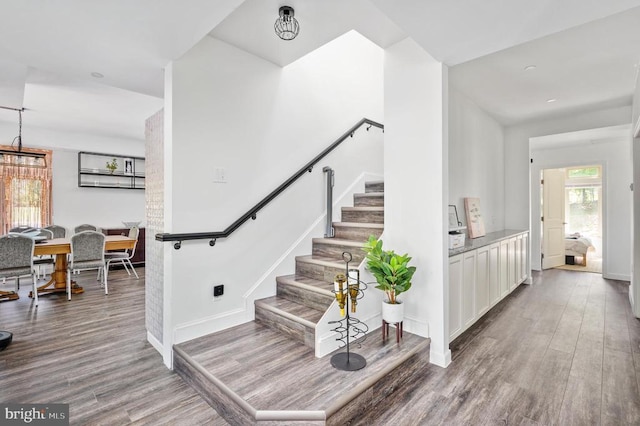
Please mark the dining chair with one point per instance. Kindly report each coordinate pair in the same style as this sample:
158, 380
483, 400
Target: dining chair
84, 227
87, 252
16, 260
125, 256
22, 228
58, 231
43, 260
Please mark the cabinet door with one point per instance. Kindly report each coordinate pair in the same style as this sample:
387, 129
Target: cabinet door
482, 281
524, 256
512, 258
504, 268
494, 273
468, 288
518, 259
455, 294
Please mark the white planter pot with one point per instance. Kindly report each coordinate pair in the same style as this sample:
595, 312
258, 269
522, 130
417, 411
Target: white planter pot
392, 313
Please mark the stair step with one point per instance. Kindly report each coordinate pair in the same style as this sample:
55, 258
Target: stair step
368, 199
357, 231
294, 320
334, 247
363, 214
319, 267
315, 294
374, 186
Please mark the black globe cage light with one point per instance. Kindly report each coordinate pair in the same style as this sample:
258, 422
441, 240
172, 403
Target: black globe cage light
286, 26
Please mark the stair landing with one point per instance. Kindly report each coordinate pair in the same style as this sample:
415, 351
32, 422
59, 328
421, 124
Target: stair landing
251, 373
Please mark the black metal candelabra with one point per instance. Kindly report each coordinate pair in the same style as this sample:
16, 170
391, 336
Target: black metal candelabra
348, 290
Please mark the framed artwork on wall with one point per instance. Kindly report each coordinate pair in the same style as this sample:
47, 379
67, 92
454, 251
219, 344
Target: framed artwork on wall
475, 223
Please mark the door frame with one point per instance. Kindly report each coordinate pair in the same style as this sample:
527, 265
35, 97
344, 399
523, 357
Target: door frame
536, 208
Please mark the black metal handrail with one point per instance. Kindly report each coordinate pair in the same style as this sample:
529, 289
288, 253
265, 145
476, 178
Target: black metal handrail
252, 214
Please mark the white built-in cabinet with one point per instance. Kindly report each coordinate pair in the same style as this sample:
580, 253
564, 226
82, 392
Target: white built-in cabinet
480, 277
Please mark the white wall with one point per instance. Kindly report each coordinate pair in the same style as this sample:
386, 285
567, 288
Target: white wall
634, 292
516, 149
261, 123
415, 89
613, 155
476, 160
72, 206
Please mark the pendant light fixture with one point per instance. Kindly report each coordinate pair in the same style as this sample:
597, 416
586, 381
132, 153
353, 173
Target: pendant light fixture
286, 26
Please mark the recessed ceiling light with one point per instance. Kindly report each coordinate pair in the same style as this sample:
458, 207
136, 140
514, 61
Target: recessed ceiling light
551, 100
97, 74
530, 67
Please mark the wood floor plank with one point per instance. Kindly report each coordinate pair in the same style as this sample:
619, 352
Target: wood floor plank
620, 395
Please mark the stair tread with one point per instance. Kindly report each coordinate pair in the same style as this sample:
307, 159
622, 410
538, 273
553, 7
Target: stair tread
292, 308
369, 194
334, 262
338, 242
359, 225
364, 208
297, 279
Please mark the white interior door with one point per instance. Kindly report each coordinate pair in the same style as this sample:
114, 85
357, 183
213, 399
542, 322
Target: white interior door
553, 218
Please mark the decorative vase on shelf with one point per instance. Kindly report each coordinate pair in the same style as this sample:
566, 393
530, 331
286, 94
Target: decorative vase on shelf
393, 312
112, 165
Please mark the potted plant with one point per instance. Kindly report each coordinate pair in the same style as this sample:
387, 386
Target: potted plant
112, 165
393, 274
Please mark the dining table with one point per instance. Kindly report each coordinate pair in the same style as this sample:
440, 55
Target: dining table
60, 248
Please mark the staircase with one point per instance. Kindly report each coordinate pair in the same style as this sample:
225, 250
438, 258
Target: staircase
302, 298
266, 372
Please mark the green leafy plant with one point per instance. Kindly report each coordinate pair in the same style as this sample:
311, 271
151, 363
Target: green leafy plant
112, 165
391, 270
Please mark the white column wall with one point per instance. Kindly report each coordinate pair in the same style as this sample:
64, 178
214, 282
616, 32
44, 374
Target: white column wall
261, 123
415, 153
476, 160
634, 291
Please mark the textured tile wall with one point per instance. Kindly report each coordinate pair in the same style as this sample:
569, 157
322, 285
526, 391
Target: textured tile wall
154, 201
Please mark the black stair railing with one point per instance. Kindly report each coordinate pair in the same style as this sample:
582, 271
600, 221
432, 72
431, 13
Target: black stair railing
252, 213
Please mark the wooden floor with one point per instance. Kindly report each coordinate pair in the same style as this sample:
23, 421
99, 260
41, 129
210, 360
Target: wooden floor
92, 353
564, 351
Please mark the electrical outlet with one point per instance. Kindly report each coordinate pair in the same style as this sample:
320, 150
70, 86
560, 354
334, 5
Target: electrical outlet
218, 290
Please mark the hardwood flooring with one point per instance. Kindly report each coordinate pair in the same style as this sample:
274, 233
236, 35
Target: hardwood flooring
92, 353
565, 351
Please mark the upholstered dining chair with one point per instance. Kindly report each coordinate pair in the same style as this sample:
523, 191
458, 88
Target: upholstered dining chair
58, 231
16, 260
84, 227
21, 228
41, 261
125, 256
87, 252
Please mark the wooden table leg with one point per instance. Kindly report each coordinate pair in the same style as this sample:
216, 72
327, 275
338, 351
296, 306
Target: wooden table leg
58, 281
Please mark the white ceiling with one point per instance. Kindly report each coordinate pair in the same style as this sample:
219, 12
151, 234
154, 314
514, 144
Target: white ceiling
48, 51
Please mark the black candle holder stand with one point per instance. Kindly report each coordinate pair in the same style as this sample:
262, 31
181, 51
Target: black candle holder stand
349, 361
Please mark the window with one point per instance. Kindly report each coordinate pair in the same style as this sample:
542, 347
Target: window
25, 189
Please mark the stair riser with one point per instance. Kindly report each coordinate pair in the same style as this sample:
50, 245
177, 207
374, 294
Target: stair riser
306, 297
356, 234
318, 272
291, 329
363, 201
362, 216
333, 250
374, 187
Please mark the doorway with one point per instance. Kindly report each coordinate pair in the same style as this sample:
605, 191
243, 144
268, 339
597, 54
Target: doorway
572, 218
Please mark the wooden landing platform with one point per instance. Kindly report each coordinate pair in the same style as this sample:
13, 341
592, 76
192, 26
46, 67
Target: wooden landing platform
252, 374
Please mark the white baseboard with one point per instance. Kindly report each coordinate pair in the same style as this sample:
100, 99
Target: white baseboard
618, 277
440, 359
157, 345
